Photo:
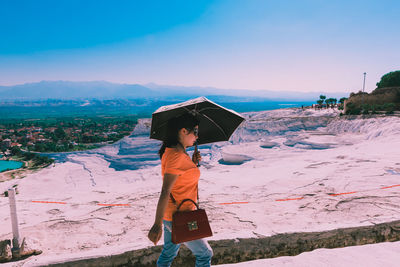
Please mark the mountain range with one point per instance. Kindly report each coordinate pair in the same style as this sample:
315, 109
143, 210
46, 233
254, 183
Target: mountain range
108, 90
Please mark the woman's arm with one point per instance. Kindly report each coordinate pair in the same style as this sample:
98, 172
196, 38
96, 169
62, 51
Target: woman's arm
156, 230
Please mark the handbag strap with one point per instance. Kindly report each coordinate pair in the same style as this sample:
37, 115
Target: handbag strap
187, 199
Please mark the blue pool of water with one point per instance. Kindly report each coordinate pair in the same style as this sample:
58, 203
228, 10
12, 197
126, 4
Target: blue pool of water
11, 164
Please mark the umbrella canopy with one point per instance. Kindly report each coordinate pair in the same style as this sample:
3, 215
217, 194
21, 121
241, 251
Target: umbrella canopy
216, 123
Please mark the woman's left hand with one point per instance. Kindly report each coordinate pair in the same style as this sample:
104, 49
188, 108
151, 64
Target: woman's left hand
155, 233
196, 158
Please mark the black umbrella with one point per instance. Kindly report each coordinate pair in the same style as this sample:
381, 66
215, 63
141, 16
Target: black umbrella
216, 122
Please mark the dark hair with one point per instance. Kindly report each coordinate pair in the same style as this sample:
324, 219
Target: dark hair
187, 121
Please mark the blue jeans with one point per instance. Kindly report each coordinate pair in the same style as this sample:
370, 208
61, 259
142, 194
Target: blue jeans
200, 248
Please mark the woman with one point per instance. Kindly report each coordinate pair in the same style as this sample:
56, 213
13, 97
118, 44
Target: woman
180, 178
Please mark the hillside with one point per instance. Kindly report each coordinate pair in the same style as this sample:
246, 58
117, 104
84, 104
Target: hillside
380, 96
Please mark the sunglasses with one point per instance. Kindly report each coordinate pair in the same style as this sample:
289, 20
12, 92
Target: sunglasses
195, 131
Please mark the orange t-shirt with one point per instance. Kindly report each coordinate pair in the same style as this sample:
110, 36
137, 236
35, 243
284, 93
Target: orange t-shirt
179, 163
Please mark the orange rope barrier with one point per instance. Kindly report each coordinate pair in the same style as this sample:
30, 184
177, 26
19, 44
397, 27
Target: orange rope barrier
65, 203
347, 193
49, 202
230, 203
390, 186
287, 199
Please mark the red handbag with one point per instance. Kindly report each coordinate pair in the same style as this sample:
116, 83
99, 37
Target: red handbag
189, 225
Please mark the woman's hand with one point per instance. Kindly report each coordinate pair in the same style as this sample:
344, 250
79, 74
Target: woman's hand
196, 158
155, 233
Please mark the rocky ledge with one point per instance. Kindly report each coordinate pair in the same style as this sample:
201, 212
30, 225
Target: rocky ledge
239, 250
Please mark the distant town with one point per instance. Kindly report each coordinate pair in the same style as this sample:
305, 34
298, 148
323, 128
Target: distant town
62, 134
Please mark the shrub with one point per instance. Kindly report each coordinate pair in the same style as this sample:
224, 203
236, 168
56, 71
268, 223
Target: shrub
389, 108
42, 160
352, 109
365, 109
374, 109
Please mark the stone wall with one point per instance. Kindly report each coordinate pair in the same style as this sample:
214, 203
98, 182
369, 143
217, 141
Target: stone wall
238, 250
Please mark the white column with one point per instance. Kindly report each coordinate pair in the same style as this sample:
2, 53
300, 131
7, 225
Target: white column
14, 219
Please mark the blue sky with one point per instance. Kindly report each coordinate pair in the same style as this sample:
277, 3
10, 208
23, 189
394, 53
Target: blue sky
275, 45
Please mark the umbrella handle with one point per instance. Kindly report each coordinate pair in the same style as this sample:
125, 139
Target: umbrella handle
195, 151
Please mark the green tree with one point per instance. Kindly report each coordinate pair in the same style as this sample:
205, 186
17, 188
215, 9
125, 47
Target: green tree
331, 101
39, 147
59, 133
15, 151
341, 101
390, 79
321, 99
